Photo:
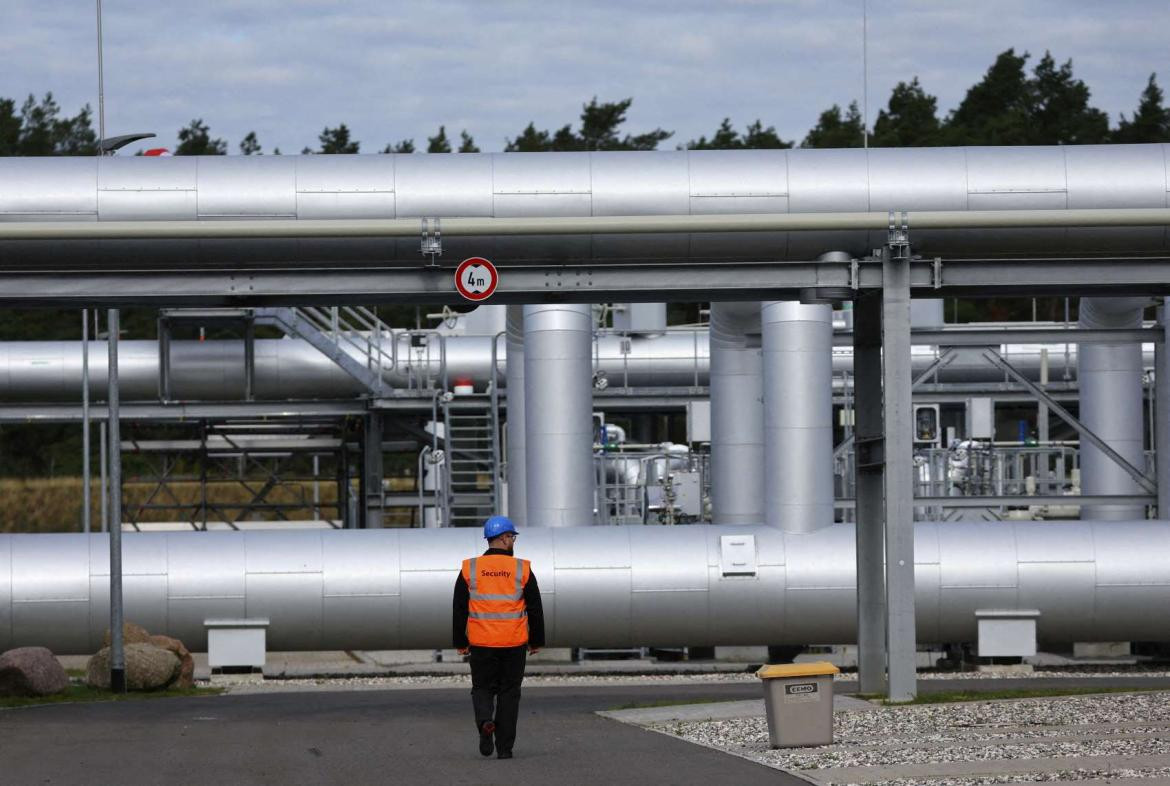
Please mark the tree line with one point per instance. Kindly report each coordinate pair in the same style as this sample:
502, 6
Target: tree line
1010, 105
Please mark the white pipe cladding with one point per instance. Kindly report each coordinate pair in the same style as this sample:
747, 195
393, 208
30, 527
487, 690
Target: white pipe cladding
517, 454
798, 415
200, 188
737, 414
619, 586
1110, 379
558, 414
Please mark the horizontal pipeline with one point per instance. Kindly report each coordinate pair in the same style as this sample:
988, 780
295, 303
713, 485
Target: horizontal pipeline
582, 225
602, 586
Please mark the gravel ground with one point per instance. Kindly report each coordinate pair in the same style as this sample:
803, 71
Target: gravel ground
1115, 725
253, 685
1082, 774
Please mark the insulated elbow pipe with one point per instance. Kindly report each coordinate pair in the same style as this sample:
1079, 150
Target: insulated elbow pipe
558, 414
737, 414
517, 454
798, 415
1110, 377
603, 586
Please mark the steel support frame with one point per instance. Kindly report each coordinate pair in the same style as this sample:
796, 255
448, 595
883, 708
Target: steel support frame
887, 643
373, 492
579, 283
1162, 415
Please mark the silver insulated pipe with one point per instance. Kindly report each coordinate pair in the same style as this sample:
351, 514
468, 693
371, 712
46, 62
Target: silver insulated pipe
558, 414
501, 185
798, 415
1111, 406
291, 368
737, 414
516, 453
602, 586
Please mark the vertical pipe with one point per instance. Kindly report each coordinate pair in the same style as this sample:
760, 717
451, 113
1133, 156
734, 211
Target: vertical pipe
1110, 378
737, 414
798, 415
901, 641
869, 511
1162, 414
103, 453
117, 656
558, 414
86, 524
517, 469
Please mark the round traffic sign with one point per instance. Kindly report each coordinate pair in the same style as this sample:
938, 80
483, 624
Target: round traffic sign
476, 278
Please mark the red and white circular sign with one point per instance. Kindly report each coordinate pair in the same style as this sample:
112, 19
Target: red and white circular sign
476, 278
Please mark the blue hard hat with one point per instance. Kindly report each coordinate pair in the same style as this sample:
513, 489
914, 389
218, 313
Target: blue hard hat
496, 526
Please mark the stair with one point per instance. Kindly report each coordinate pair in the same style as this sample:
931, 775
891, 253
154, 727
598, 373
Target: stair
352, 337
472, 464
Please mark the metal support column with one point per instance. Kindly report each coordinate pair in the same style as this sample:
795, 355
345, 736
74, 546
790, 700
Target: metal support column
249, 360
86, 493
373, 495
871, 582
1162, 416
117, 654
901, 643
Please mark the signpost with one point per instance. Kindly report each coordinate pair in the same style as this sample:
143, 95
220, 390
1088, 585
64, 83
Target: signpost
476, 278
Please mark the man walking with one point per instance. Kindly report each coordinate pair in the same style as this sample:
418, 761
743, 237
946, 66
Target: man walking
497, 617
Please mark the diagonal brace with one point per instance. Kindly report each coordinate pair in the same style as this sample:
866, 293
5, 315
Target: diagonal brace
1139, 477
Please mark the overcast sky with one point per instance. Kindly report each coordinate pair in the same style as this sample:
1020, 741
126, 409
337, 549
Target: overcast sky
288, 68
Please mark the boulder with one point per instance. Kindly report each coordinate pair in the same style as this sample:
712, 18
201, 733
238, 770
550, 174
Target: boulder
131, 634
186, 678
31, 671
148, 667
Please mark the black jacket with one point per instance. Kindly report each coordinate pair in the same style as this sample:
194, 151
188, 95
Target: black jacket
531, 602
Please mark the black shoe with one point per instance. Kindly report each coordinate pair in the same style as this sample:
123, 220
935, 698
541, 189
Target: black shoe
504, 755
486, 743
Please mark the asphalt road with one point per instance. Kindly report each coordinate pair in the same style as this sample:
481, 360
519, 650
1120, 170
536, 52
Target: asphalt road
395, 737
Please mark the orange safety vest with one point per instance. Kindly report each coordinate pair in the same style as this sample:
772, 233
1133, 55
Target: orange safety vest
496, 614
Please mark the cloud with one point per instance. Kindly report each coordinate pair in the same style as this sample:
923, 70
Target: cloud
286, 69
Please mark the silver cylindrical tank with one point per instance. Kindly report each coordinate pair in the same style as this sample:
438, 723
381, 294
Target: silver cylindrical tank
516, 452
798, 415
737, 414
558, 414
1111, 406
619, 586
580, 184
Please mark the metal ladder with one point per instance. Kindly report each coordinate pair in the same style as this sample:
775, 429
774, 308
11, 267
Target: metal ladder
353, 337
471, 429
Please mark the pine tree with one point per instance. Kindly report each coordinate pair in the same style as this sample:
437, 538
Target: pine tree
1150, 123
910, 119
466, 143
195, 140
833, 130
250, 145
336, 140
439, 142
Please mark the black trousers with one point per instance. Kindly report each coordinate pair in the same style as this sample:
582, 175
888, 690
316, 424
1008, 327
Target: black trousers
496, 674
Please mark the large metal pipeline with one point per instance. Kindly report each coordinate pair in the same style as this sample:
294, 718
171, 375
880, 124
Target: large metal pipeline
737, 414
291, 368
1110, 378
595, 184
620, 586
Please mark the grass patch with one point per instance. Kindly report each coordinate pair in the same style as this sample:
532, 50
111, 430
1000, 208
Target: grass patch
947, 697
646, 705
76, 693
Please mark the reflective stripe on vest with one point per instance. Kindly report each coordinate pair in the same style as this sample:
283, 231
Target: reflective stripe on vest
496, 614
